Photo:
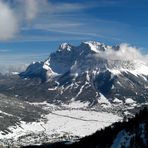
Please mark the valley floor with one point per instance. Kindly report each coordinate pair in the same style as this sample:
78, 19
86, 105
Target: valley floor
68, 123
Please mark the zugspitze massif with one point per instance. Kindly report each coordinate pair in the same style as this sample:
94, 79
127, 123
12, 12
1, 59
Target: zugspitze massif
73, 73
76, 91
93, 72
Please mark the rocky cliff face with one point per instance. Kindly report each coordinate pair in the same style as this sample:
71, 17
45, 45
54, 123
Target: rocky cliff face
93, 72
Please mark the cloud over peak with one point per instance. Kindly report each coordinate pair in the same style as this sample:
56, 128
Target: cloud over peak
124, 52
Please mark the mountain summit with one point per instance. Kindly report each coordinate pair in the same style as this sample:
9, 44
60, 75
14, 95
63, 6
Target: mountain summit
93, 72
90, 54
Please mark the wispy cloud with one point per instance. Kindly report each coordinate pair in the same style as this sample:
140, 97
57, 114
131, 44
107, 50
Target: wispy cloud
125, 52
76, 28
4, 50
22, 13
34, 20
31, 9
8, 22
10, 62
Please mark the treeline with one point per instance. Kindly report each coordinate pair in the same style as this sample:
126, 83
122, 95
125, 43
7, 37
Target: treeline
138, 135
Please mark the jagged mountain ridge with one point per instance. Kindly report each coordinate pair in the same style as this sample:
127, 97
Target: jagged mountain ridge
89, 73
68, 56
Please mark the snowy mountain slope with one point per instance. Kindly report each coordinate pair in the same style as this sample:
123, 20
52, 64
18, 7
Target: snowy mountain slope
63, 59
91, 70
88, 55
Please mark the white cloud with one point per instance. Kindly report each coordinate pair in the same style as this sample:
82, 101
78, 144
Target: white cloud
18, 62
125, 52
16, 14
8, 22
128, 52
31, 9
56, 18
8, 69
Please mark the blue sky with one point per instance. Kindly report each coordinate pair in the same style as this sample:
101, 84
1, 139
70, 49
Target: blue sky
37, 27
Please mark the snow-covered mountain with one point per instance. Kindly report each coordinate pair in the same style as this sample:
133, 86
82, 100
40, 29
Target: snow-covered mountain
93, 72
87, 56
73, 93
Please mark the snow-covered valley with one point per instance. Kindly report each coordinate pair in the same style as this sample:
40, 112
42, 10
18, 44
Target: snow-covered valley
58, 125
